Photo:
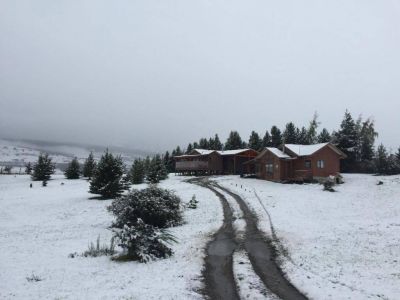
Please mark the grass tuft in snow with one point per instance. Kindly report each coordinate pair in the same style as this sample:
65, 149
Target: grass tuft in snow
34, 278
96, 250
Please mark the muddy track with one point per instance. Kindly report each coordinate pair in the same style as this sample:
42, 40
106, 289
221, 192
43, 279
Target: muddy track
260, 249
218, 273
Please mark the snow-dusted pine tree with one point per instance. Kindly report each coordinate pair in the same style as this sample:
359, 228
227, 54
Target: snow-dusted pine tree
266, 142
73, 170
346, 139
157, 170
276, 136
324, 136
137, 172
289, 135
109, 179
43, 169
255, 141
89, 166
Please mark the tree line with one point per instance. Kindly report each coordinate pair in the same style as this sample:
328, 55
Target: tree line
355, 137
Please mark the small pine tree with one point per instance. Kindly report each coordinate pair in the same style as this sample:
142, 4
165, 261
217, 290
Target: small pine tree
276, 136
324, 136
302, 136
381, 160
89, 166
234, 141
203, 143
28, 168
347, 140
289, 135
312, 130
189, 148
255, 141
43, 169
73, 170
217, 145
157, 171
108, 179
398, 155
137, 172
266, 142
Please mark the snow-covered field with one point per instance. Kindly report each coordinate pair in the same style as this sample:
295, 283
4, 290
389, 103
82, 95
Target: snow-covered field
40, 227
343, 245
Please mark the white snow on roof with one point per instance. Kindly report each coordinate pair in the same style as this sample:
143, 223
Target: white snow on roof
305, 150
232, 152
203, 151
278, 152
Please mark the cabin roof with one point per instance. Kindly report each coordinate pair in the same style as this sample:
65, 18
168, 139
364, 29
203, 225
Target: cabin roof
278, 152
305, 150
232, 152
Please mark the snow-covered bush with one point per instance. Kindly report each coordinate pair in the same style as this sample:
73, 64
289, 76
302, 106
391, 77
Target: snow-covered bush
155, 206
144, 242
328, 185
193, 203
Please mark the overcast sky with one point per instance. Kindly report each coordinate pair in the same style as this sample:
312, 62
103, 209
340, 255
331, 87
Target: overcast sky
154, 74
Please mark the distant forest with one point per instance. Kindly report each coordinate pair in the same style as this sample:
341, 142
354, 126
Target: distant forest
355, 137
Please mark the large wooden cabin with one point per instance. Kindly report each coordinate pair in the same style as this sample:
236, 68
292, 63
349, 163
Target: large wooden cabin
210, 162
298, 162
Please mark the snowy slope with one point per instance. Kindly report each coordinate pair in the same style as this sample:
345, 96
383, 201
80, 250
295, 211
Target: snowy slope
343, 245
18, 153
40, 227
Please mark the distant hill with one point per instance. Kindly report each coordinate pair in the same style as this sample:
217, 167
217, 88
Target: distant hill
17, 153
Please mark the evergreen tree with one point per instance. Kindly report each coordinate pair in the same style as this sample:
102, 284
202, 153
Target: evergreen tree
398, 155
276, 136
169, 162
381, 160
178, 151
43, 169
147, 163
234, 141
302, 136
203, 143
266, 142
196, 145
28, 168
312, 130
137, 172
347, 140
367, 140
324, 136
189, 148
255, 141
89, 166
289, 135
73, 170
216, 145
157, 171
108, 179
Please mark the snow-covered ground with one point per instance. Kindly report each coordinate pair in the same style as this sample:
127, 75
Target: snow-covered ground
40, 227
342, 245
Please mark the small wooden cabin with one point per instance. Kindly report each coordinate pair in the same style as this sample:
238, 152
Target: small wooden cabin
210, 162
298, 162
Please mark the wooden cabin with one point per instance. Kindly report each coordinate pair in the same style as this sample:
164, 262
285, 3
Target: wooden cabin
298, 162
211, 162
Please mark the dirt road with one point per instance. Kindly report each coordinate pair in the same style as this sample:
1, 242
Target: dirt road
218, 274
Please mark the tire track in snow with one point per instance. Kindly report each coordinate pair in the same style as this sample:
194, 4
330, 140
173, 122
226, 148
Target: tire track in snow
218, 273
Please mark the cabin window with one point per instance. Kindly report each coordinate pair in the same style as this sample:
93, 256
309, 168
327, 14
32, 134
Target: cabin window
320, 164
307, 164
270, 168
